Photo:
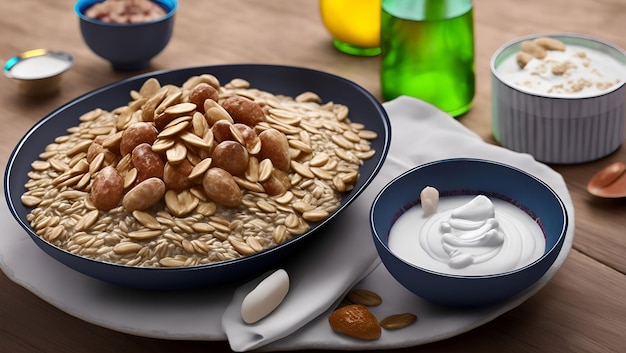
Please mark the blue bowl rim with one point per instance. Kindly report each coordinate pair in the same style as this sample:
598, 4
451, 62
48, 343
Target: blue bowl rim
557, 244
81, 5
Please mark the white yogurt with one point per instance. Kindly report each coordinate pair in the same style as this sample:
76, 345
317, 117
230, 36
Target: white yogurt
468, 235
576, 72
37, 67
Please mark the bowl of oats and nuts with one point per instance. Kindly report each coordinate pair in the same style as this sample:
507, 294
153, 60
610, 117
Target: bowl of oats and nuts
127, 33
195, 177
559, 97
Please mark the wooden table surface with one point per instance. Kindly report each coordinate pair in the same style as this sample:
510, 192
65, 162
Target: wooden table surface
583, 308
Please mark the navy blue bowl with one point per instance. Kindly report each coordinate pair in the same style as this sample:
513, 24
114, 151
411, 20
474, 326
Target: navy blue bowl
285, 80
127, 46
472, 177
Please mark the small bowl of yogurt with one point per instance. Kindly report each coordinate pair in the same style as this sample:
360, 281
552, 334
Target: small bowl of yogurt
467, 232
38, 71
559, 97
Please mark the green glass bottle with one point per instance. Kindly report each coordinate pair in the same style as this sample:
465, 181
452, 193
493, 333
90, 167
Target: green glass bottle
427, 49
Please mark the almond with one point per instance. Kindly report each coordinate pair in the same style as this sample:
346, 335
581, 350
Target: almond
397, 321
550, 43
364, 297
356, 321
533, 49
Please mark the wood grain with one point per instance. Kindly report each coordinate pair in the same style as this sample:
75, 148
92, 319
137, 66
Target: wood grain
581, 310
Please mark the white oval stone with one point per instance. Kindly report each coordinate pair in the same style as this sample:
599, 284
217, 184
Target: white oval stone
265, 297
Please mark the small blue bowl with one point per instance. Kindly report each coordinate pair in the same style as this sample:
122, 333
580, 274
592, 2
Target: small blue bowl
471, 177
127, 46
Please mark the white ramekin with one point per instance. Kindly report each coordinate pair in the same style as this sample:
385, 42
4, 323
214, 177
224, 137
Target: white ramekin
557, 129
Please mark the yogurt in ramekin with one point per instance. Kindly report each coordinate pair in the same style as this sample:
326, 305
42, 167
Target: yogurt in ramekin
566, 107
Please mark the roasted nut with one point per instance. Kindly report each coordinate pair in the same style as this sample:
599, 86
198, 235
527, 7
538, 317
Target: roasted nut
308, 97
172, 112
107, 189
112, 141
149, 87
220, 187
244, 110
533, 49
174, 96
144, 195
176, 176
246, 136
231, 156
523, 59
221, 131
202, 92
135, 134
274, 145
177, 153
398, 321
199, 124
206, 78
277, 184
200, 168
265, 169
548, 43
355, 321
147, 162
96, 148
181, 203
148, 108
364, 297
213, 112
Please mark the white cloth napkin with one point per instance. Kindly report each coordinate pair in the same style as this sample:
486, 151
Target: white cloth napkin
327, 269
420, 133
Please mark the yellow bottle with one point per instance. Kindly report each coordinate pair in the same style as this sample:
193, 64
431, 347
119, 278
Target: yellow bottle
354, 25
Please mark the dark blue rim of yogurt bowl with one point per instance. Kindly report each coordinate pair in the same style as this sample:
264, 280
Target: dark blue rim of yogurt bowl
547, 252
170, 7
600, 45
